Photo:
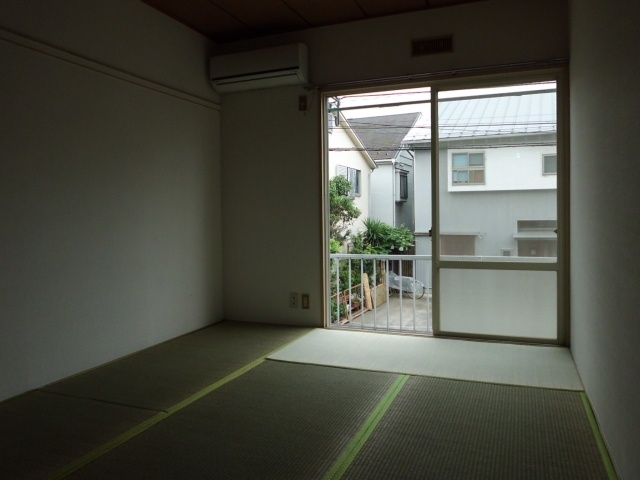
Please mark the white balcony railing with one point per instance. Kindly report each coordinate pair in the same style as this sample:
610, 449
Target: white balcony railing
381, 292
393, 292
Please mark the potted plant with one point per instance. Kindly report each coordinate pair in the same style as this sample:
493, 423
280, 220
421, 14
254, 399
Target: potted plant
356, 301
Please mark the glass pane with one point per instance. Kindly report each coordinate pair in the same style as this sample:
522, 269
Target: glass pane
460, 160
476, 159
491, 143
477, 176
550, 164
460, 176
501, 303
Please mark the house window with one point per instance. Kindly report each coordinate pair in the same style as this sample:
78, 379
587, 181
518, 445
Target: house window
354, 176
537, 238
550, 164
457, 245
404, 186
467, 168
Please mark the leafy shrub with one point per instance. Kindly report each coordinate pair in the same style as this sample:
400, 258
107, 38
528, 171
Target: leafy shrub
380, 238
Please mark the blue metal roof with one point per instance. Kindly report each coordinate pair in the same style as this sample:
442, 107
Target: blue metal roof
509, 114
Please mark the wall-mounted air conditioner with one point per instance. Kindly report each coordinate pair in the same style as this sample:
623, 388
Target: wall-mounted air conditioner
269, 67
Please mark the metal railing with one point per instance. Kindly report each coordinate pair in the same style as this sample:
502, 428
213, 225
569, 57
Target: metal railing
381, 292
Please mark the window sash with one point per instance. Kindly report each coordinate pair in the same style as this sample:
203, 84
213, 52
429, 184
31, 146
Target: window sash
354, 176
404, 186
467, 168
550, 164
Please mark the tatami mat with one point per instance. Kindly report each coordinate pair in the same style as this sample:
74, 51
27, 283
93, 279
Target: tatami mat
279, 420
164, 375
502, 363
451, 429
41, 432
46, 430
207, 405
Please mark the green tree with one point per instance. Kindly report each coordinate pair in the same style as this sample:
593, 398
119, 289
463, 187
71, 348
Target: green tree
342, 209
380, 238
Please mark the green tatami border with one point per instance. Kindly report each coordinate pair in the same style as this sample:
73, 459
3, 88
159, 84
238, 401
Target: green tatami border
351, 452
142, 427
604, 452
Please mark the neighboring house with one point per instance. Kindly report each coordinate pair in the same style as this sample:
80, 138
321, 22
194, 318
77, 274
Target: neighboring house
498, 166
348, 157
391, 195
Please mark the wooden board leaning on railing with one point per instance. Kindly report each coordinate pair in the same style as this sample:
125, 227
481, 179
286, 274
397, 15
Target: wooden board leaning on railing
366, 305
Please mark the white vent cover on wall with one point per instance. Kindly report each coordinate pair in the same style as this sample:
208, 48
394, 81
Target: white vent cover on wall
268, 67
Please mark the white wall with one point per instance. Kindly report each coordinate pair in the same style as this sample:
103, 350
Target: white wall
509, 168
491, 213
383, 202
404, 214
125, 34
110, 220
272, 232
271, 206
605, 233
340, 139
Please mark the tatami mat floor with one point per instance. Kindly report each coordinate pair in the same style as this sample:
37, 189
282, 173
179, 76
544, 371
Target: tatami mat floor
211, 405
480, 361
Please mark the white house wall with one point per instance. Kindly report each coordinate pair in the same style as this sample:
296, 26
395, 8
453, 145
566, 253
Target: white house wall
382, 193
404, 215
385, 185
508, 168
339, 138
491, 214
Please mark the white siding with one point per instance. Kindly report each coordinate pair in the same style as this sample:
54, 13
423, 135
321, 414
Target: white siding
491, 214
382, 193
340, 139
510, 168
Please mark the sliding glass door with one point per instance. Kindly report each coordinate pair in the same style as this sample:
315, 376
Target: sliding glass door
471, 171
498, 232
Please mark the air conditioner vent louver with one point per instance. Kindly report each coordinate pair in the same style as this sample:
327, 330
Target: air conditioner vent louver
268, 67
428, 46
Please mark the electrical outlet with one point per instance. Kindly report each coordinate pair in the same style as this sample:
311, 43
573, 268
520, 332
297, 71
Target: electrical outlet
293, 300
305, 301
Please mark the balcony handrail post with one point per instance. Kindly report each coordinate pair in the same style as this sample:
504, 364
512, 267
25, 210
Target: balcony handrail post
374, 298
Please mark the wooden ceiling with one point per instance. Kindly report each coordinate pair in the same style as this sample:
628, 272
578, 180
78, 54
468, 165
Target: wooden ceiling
231, 20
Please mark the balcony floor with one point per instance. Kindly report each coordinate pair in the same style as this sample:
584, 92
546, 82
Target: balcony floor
395, 315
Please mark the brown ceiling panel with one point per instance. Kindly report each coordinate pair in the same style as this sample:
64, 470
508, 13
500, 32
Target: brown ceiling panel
326, 12
264, 16
375, 8
231, 20
204, 17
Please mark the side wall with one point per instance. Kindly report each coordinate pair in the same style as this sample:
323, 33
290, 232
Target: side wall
271, 203
109, 186
382, 201
272, 153
340, 139
605, 175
